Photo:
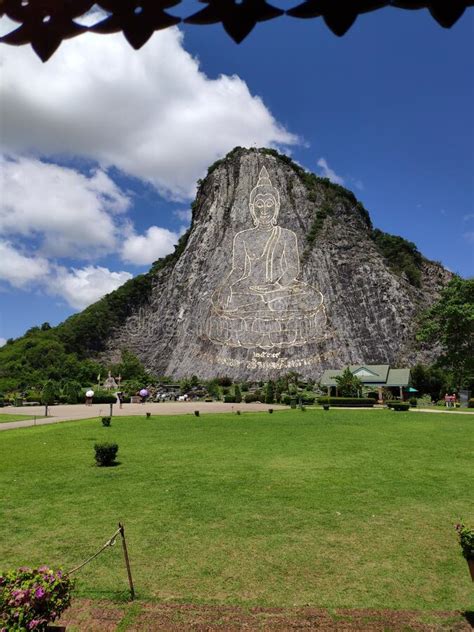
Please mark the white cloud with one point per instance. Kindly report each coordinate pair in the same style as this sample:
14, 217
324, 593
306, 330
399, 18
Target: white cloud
71, 214
468, 217
327, 172
82, 287
18, 269
79, 287
185, 215
469, 236
3, 341
144, 249
151, 113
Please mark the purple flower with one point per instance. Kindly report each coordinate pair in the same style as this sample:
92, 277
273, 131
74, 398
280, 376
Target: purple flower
33, 624
40, 593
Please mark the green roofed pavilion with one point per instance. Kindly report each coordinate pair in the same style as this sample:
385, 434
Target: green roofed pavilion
379, 376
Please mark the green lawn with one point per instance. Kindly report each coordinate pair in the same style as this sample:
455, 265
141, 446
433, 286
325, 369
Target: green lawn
8, 417
329, 508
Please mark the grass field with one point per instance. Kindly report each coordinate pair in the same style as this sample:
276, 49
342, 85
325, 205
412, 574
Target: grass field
333, 509
8, 417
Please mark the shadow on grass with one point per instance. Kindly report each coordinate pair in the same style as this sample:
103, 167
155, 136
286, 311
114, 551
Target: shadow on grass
115, 596
114, 464
469, 616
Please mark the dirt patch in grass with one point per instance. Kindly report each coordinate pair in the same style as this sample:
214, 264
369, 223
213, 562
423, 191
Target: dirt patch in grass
103, 616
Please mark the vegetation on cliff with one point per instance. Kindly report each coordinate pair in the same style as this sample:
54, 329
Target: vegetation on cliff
450, 322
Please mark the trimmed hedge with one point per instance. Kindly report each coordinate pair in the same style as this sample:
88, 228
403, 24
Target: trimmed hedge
103, 397
470, 403
351, 402
397, 405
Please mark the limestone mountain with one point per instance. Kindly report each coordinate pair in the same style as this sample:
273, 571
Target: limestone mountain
280, 271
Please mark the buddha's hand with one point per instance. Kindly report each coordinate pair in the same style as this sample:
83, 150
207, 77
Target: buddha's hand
224, 296
265, 287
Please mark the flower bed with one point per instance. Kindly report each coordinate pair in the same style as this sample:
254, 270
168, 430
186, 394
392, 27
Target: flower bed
32, 598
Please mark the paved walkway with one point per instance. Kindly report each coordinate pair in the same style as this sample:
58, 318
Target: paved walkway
81, 411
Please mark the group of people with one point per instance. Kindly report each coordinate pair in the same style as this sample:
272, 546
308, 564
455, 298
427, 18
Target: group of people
450, 400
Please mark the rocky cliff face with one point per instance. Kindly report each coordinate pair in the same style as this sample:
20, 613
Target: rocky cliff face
289, 284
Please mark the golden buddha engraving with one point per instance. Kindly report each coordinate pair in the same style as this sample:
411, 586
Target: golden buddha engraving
261, 302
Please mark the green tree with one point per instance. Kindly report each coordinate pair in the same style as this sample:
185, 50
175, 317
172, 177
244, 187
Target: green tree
431, 380
72, 391
213, 389
185, 385
130, 367
49, 393
270, 392
348, 385
237, 394
449, 323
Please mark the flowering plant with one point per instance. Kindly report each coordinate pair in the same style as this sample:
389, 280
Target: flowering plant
31, 598
466, 540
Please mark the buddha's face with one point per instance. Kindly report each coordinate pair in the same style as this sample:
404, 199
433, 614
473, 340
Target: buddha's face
265, 208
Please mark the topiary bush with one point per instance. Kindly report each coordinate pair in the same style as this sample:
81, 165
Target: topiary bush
104, 397
32, 598
396, 405
105, 453
352, 402
106, 421
470, 403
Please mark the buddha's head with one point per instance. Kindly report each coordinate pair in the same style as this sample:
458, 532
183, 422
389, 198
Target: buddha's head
264, 201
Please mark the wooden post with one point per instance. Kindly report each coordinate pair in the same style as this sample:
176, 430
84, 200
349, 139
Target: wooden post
127, 561
111, 409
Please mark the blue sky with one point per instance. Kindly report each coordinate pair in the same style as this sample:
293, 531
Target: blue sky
102, 145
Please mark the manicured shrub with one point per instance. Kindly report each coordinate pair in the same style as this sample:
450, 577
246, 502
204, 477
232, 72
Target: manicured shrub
196, 412
352, 402
104, 397
249, 398
470, 403
413, 402
229, 399
397, 405
105, 453
32, 598
106, 421
466, 540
